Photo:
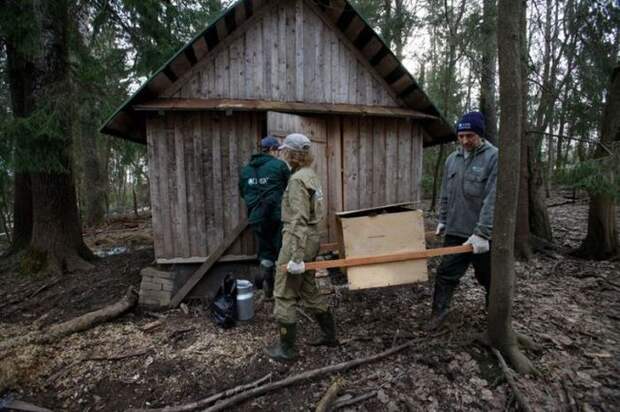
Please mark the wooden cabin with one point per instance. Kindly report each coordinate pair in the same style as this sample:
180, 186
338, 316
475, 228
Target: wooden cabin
275, 67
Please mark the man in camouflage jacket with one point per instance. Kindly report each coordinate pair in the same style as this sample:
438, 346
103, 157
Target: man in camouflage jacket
302, 211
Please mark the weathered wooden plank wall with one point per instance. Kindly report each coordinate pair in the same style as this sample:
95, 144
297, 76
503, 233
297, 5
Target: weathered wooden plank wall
382, 161
194, 160
287, 52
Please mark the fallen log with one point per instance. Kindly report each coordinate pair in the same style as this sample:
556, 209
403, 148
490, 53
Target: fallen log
78, 324
227, 403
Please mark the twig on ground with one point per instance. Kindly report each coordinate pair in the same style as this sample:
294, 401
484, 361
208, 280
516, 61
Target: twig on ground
152, 325
330, 395
521, 399
352, 401
207, 401
306, 376
155, 315
305, 315
120, 356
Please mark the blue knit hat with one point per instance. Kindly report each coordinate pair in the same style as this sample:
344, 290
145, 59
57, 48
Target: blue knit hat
269, 143
471, 122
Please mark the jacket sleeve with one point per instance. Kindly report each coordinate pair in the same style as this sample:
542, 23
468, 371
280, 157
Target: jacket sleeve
286, 174
484, 227
443, 195
299, 199
241, 183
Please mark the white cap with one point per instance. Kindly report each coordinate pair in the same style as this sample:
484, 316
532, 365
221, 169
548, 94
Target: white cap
297, 142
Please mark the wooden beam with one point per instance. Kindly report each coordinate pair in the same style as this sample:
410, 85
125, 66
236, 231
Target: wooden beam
389, 258
202, 259
204, 268
172, 104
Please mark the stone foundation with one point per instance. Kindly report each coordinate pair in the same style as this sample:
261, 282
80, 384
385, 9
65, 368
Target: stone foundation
157, 287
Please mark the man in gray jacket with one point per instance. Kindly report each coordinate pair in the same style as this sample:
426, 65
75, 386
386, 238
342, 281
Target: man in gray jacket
466, 206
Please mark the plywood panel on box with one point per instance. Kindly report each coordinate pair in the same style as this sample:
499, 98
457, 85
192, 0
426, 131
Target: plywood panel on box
195, 160
384, 234
286, 52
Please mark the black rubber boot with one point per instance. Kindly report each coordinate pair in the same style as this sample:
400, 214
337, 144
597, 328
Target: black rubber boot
442, 295
328, 327
268, 282
284, 350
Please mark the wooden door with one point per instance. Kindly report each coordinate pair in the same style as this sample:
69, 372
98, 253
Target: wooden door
324, 133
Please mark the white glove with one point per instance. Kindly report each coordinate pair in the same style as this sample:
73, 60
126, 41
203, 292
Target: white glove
480, 244
441, 227
295, 268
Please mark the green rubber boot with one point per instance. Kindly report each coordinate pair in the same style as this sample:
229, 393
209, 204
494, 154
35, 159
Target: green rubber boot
328, 327
284, 350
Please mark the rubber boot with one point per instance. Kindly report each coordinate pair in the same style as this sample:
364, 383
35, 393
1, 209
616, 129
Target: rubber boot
268, 282
328, 327
442, 295
264, 267
284, 350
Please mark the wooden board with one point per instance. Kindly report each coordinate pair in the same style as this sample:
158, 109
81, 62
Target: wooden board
204, 268
196, 158
240, 105
287, 51
384, 234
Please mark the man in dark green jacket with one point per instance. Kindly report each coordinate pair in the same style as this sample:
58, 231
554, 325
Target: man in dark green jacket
261, 184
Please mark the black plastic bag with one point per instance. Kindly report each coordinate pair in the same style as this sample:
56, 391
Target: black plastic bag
224, 306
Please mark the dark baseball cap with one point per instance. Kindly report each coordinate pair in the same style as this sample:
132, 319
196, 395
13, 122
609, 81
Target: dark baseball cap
269, 142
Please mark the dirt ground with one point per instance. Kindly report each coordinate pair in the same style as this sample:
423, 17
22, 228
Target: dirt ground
146, 360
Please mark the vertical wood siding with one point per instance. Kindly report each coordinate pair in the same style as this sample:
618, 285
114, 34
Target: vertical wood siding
287, 53
194, 163
382, 161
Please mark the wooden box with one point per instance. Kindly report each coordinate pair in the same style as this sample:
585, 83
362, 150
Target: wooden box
379, 231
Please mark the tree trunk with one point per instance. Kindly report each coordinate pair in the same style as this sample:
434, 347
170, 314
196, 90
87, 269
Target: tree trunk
94, 186
601, 242
22, 213
56, 243
500, 329
488, 72
20, 72
135, 199
539, 217
550, 162
436, 179
523, 250
540, 225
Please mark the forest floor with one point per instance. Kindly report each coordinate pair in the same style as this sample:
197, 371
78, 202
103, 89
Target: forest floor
145, 360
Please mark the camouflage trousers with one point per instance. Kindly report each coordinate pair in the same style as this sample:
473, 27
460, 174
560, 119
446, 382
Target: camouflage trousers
291, 290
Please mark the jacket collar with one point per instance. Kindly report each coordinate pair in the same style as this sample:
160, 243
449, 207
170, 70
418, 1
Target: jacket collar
484, 146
